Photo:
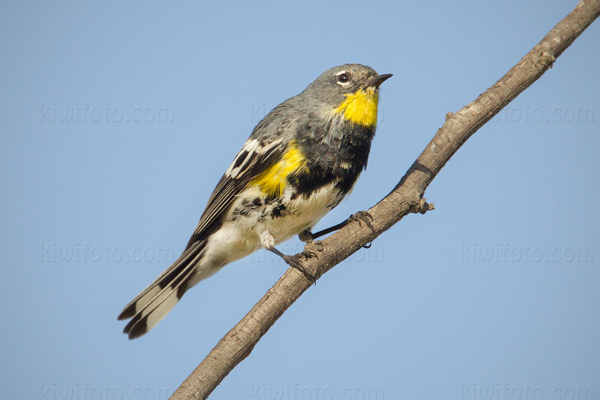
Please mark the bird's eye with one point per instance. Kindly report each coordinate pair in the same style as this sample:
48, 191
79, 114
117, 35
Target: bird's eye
343, 78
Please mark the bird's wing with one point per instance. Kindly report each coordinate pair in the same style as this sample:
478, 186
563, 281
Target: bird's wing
152, 304
254, 157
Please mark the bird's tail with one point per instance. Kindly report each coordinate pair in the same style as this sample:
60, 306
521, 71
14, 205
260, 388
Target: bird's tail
150, 306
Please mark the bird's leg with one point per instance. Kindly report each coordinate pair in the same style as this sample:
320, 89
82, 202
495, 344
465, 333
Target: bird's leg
361, 216
268, 242
307, 236
294, 262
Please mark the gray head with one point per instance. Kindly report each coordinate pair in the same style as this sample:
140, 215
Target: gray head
336, 83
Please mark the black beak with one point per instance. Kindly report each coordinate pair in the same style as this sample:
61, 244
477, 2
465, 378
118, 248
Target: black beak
375, 81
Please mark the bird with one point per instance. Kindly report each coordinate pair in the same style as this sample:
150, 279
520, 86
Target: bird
300, 162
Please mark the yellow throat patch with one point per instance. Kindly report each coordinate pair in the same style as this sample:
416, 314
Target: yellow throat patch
272, 181
360, 107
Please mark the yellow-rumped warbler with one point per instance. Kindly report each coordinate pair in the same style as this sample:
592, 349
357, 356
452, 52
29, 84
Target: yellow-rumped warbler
300, 161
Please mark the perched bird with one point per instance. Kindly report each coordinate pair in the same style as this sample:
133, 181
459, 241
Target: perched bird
300, 161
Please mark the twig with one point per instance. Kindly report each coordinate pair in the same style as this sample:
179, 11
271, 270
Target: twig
407, 197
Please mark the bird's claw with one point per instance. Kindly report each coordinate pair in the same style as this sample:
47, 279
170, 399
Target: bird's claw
312, 248
295, 262
362, 216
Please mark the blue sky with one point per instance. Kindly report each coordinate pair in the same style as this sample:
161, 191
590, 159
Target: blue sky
118, 118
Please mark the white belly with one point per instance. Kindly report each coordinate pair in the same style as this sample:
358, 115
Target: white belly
303, 213
239, 236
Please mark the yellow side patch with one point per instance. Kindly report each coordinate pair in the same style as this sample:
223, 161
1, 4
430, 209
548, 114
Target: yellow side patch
360, 107
272, 181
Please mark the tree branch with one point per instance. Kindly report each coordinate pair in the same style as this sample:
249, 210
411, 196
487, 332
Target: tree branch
407, 197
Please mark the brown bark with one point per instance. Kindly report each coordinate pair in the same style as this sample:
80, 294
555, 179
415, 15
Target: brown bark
407, 197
